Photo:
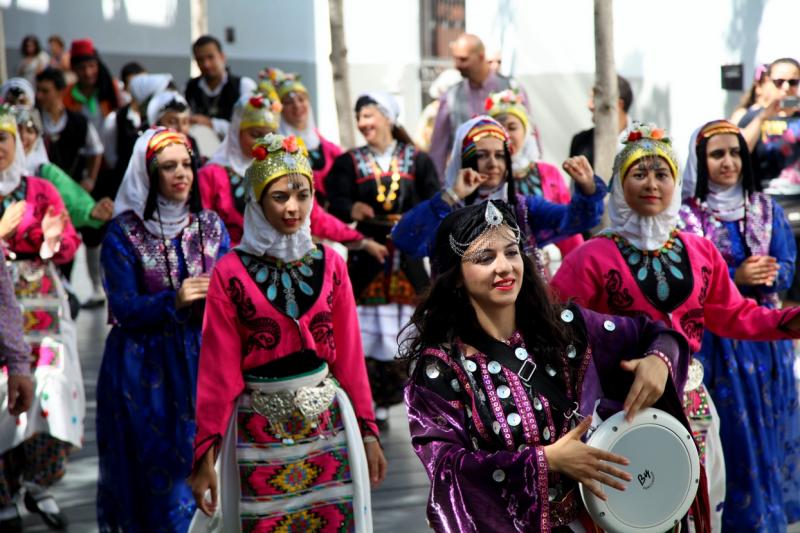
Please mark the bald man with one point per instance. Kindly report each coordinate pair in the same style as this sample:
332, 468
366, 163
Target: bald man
467, 98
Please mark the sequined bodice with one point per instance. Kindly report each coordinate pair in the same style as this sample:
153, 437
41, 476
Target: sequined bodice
161, 260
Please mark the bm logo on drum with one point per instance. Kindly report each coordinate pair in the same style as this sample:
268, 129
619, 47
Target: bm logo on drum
646, 479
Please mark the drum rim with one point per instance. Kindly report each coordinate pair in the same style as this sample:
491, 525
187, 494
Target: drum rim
595, 505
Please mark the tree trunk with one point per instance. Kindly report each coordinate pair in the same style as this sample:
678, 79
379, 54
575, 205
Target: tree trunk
606, 96
341, 80
3, 57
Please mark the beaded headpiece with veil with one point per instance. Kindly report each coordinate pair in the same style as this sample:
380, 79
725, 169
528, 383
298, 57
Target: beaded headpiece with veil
640, 145
275, 156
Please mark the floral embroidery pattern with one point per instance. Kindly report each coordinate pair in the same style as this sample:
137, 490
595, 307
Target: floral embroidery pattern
266, 333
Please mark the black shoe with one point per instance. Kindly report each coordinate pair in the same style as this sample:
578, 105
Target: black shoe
11, 525
53, 520
93, 303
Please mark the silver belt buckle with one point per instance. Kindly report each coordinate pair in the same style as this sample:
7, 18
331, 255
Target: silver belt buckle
525, 374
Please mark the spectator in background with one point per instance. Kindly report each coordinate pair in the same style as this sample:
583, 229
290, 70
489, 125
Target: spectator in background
73, 144
18, 92
495, 60
213, 94
583, 142
126, 74
59, 57
754, 98
34, 59
95, 93
465, 99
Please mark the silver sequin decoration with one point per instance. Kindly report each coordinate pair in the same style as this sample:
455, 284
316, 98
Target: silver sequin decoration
455, 385
503, 391
481, 396
432, 371
496, 427
471, 366
551, 494
537, 404
494, 367
475, 442
521, 353
546, 434
513, 419
609, 325
572, 352
567, 316
522, 447
550, 371
499, 476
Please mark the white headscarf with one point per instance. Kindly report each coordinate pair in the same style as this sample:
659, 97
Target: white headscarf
386, 103
229, 153
454, 163
727, 203
38, 154
143, 86
690, 170
155, 107
10, 178
23, 85
171, 217
646, 233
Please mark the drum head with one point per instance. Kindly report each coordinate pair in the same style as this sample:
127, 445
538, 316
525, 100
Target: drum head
665, 469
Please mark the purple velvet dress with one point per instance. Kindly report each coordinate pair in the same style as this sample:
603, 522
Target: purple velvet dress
480, 431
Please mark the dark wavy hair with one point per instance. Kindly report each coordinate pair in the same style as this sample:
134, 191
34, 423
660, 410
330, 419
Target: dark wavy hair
749, 182
446, 313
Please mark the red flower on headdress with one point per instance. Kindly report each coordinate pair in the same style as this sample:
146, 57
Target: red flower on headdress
290, 144
257, 101
489, 103
634, 136
259, 152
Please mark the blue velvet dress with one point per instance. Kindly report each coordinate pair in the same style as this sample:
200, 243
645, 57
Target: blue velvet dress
146, 387
754, 388
542, 222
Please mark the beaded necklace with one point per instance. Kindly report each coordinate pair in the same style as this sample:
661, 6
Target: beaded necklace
273, 274
660, 262
382, 197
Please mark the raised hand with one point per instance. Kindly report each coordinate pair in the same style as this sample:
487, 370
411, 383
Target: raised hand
467, 182
581, 172
53, 224
11, 219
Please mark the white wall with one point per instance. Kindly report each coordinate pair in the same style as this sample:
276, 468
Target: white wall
670, 51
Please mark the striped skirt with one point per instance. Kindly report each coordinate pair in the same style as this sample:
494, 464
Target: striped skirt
282, 470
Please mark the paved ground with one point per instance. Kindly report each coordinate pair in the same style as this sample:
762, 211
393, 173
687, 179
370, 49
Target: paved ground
398, 505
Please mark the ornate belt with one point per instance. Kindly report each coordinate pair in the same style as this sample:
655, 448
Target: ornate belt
280, 406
